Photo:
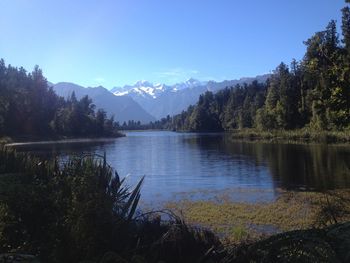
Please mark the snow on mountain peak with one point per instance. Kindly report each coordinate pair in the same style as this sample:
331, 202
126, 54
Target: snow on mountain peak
161, 100
147, 89
121, 93
141, 88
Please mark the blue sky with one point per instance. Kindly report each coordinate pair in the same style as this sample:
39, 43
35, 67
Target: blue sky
117, 42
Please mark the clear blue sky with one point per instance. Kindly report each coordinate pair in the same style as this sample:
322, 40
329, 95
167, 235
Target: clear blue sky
117, 42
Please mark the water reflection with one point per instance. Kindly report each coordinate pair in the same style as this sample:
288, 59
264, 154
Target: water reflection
175, 162
291, 166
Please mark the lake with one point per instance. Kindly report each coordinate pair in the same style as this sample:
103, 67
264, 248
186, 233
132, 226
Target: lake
193, 165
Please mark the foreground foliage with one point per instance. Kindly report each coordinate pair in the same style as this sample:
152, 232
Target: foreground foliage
316, 245
81, 210
47, 209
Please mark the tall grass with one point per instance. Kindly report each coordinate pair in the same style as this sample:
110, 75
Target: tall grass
82, 210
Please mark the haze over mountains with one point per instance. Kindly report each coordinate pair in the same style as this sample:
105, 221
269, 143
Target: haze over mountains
124, 108
145, 101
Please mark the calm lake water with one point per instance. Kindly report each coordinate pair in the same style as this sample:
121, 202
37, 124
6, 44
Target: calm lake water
204, 164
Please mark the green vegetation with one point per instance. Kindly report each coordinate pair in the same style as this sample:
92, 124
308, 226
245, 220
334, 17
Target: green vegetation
47, 207
162, 124
241, 221
312, 93
303, 135
314, 245
30, 109
78, 210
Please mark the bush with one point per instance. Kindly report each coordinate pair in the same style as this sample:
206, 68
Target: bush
63, 212
80, 210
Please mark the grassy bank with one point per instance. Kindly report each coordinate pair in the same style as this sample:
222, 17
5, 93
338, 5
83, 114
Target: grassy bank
29, 138
303, 135
241, 221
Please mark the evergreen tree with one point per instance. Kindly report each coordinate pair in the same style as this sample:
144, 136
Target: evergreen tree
28, 107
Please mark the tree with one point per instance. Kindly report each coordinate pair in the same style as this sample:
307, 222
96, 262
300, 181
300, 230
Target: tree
29, 107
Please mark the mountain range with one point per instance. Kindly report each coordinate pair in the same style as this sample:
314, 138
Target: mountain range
161, 100
124, 108
145, 101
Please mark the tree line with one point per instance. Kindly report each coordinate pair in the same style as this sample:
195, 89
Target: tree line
29, 107
313, 92
162, 124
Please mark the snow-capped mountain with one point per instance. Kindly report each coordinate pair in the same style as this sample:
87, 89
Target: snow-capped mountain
161, 100
141, 88
124, 108
147, 89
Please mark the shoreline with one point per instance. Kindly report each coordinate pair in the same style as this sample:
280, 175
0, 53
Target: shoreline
7, 141
303, 135
237, 221
63, 141
300, 135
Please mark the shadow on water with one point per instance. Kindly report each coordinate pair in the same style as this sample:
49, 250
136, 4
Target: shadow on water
63, 148
291, 166
187, 162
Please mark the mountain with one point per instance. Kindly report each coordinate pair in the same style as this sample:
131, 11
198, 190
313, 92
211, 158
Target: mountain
141, 88
161, 100
124, 108
146, 89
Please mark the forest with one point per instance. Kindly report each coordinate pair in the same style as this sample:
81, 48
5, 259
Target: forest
78, 209
312, 93
162, 124
30, 108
